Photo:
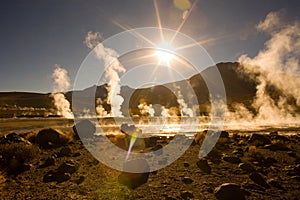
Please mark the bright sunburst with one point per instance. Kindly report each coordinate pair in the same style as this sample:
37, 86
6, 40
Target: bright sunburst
165, 52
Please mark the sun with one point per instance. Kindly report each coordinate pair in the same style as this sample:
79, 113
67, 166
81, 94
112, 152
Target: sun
165, 52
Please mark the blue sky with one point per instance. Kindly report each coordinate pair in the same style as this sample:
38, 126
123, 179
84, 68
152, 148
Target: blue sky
36, 35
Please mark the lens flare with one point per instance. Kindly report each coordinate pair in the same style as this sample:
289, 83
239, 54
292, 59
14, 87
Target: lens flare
165, 52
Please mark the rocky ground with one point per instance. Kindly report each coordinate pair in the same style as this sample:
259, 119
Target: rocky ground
241, 166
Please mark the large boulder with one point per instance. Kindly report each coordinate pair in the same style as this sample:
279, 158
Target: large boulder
48, 138
134, 180
259, 139
84, 129
204, 166
229, 191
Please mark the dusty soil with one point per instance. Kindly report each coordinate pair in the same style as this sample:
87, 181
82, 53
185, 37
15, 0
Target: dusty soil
182, 179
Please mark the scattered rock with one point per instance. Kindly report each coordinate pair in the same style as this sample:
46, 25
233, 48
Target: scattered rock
48, 162
273, 133
246, 167
65, 151
187, 195
53, 176
259, 179
204, 166
229, 191
187, 180
79, 180
277, 147
275, 183
48, 138
232, 159
259, 140
67, 167
84, 129
292, 154
185, 164
238, 152
158, 150
224, 134
134, 180
13, 138
215, 156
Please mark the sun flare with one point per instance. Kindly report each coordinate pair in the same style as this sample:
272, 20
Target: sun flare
165, 52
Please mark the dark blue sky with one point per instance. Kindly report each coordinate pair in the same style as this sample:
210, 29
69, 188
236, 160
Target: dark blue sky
36, 35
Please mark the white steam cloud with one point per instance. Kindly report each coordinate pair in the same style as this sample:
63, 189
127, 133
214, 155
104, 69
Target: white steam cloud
61, 85
112, 69
184, 109
276, 65
145, 109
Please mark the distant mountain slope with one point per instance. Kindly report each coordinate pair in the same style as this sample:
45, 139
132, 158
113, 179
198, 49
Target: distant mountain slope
238, 88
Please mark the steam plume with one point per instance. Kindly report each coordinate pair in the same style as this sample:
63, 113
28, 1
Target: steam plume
184, 109
146, 109
61, 85
112, 69
276, 65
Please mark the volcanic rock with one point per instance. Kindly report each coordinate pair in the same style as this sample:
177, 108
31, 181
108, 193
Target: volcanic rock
232, 159
246, 167
187, 180
84, 129
275, 184
224, 134
259, 140
136, 173
187, 195
67, 167
48, 138
13, 138
58, 177
229, 191
204, 166
259, 179
277, 147
48, 162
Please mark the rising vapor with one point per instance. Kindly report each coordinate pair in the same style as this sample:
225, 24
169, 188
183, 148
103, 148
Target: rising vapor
112, 69
277, 65
60, 86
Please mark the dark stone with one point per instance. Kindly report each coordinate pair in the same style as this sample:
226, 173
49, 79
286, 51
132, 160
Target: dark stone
84, 129
273, 133
277, 147
259, 179
67, 167
185, 164
204, 166
297, 170
158, 150
229, 191
65, 151
79, 180
232, 159
224, 134
187, 180
187, 195
215, 156
275, 183
292, 154
13, 138
53, 176
259, 140
134, 180
48, 138
48, 162
246, 167
238, 152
